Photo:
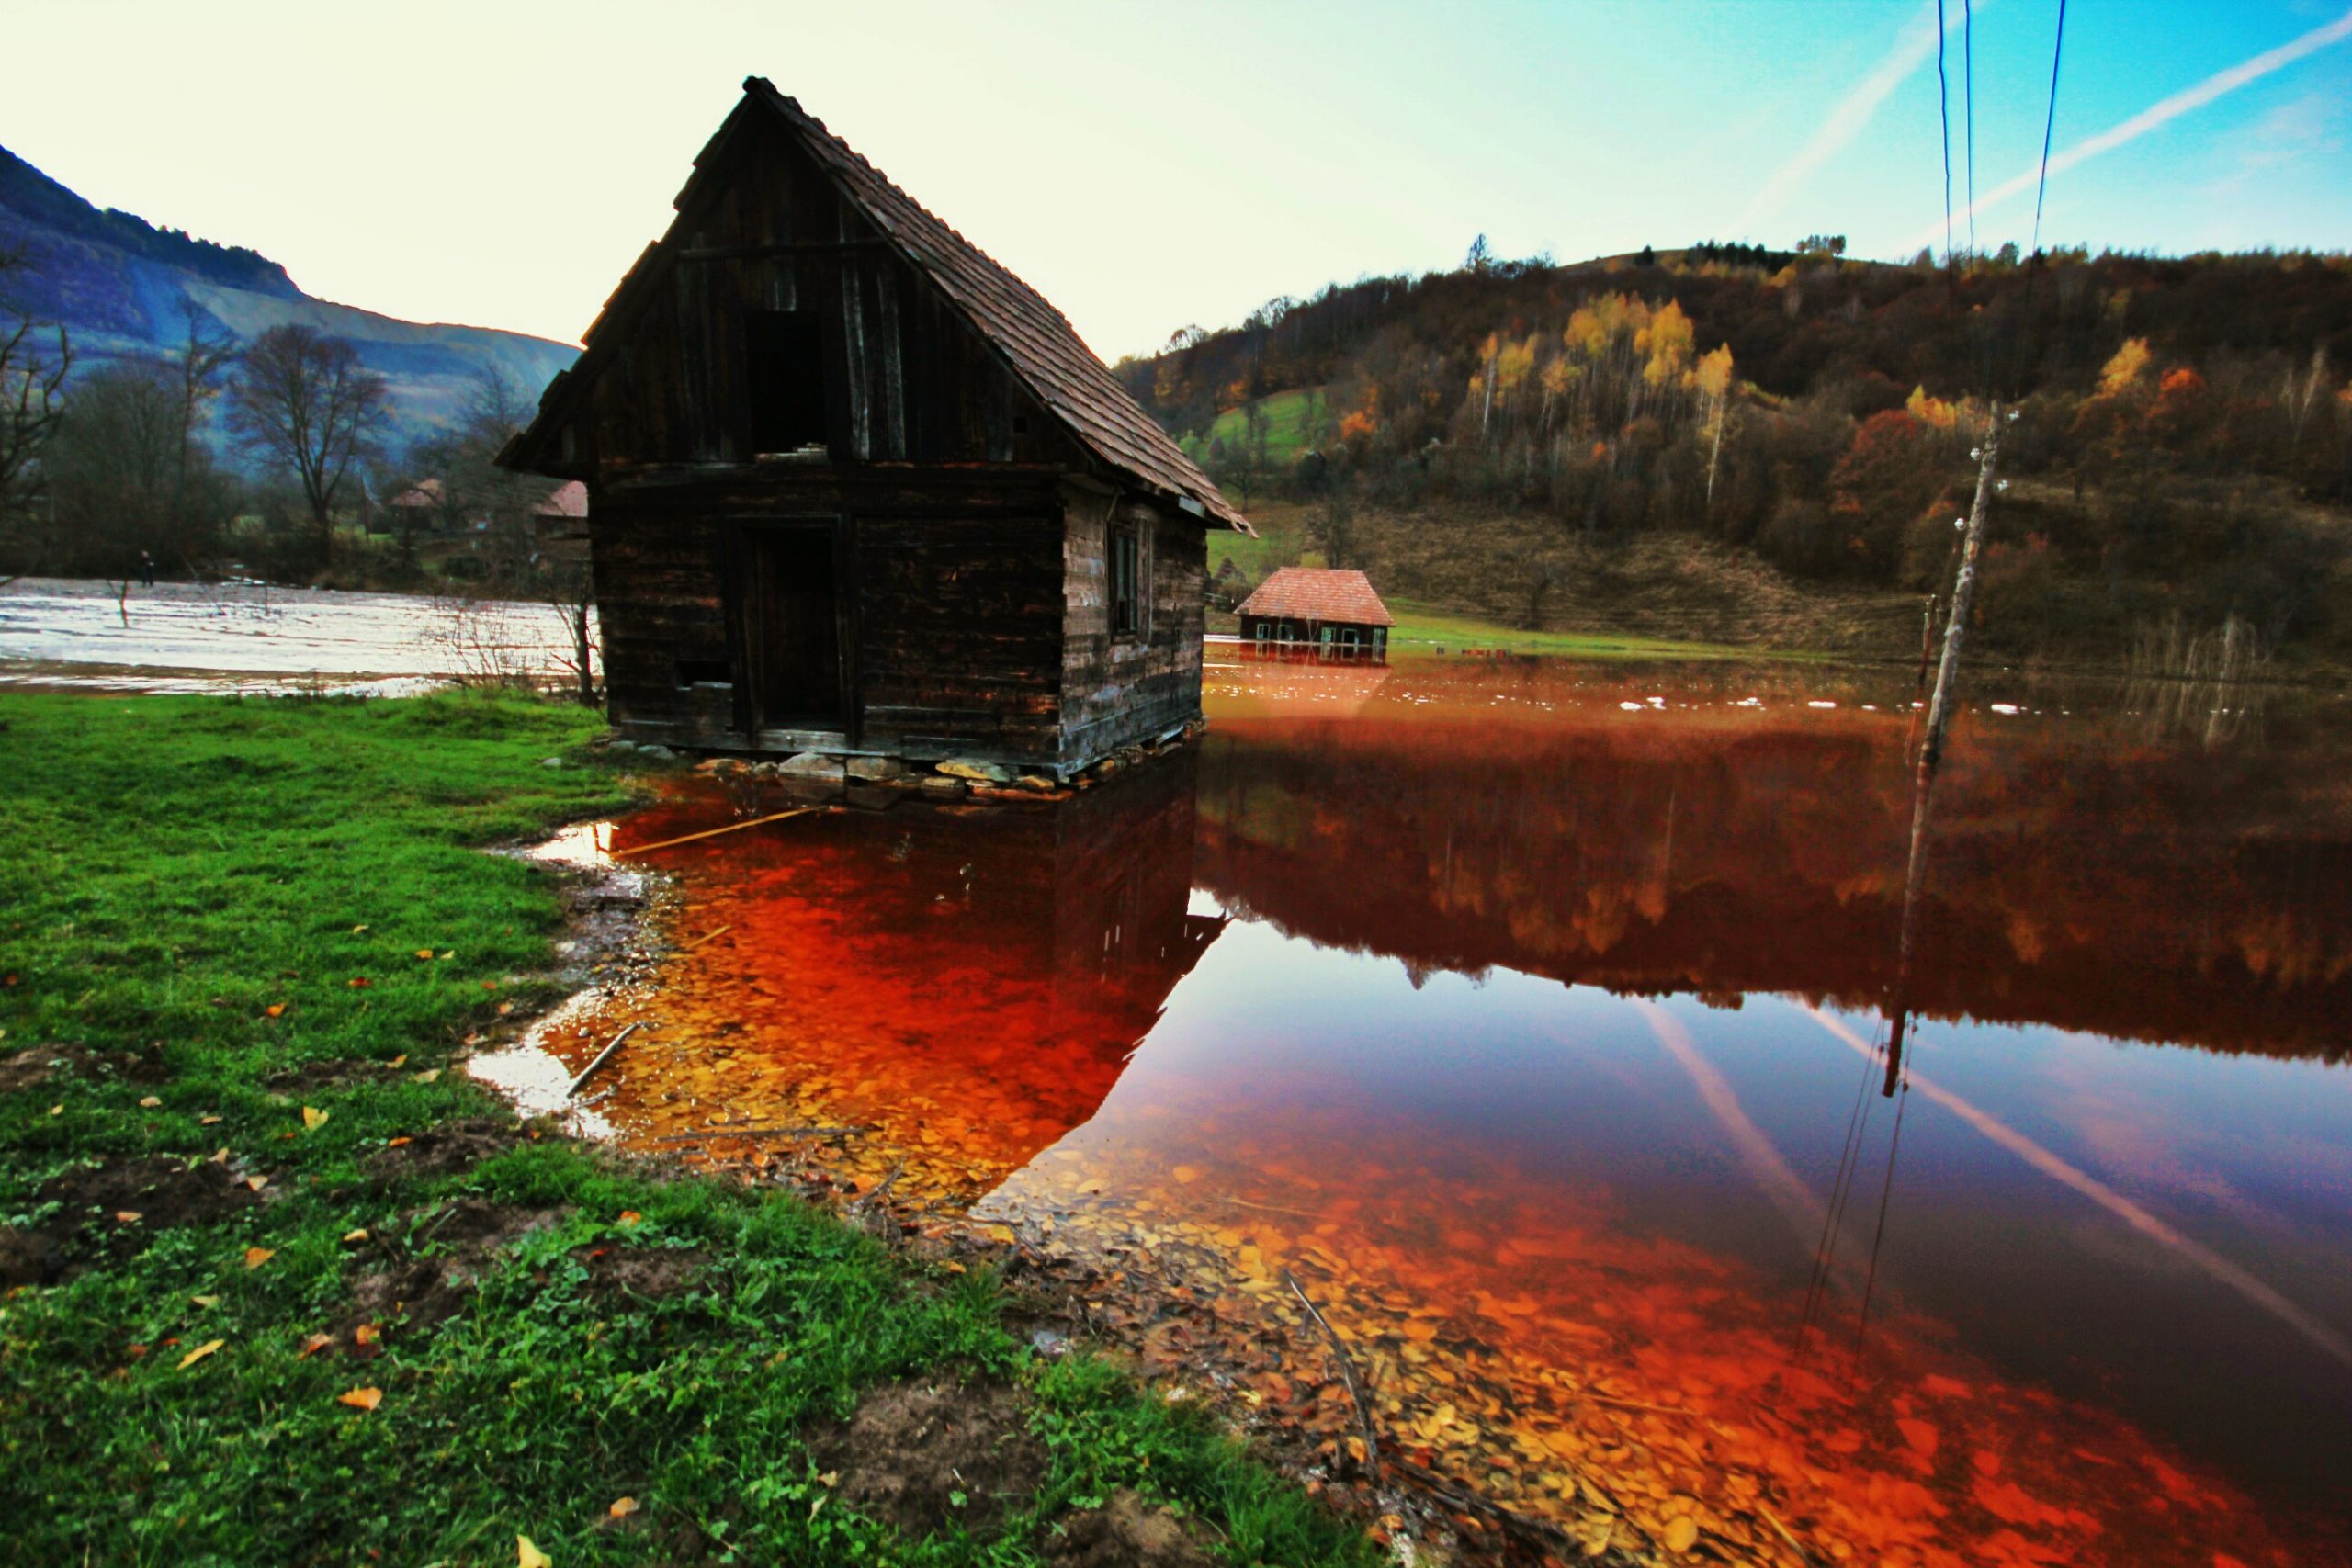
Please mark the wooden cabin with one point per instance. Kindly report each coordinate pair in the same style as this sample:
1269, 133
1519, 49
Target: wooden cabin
854, 489
1316, 612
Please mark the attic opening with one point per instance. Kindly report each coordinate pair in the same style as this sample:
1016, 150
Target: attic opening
783, 357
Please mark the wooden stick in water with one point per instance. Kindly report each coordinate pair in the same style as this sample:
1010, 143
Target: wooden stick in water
714, 832
706, 937
601, 1057
1347, 1373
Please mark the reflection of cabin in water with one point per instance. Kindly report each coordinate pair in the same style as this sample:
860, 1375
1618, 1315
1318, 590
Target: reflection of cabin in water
854, 488
1316, 611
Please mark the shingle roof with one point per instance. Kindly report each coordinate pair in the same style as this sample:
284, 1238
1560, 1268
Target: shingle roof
1037, 339
1319, 594
569, 498
1037, 342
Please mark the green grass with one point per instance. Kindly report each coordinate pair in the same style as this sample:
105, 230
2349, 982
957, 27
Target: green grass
178, 867
1419, 625
1286, 433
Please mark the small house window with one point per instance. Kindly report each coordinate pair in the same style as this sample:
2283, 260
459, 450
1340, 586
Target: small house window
783, 360
1126, 583
1265, 633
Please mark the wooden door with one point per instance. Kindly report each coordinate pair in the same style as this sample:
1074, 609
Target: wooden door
787, 607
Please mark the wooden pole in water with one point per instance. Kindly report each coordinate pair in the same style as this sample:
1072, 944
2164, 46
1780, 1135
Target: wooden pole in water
1931, 752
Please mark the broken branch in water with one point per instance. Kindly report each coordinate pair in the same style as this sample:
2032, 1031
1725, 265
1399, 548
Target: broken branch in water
706, 937
714, 832
1347, 1371
601, 1057
707, 1132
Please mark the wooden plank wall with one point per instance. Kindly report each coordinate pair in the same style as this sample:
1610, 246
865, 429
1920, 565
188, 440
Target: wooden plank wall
958, 609
908, 379
1117, 691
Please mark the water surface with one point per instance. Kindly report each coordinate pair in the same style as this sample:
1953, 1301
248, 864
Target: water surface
1530, 1017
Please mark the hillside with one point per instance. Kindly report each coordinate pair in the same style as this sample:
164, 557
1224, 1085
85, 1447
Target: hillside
121, 288
1522, 441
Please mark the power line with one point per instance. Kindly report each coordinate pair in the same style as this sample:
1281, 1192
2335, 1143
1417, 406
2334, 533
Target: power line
2048, 125
1943, 117
1968, 78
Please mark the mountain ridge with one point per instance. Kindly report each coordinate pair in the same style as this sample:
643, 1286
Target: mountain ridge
122, 288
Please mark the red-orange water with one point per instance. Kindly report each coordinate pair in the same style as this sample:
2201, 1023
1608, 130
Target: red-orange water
1521, 1016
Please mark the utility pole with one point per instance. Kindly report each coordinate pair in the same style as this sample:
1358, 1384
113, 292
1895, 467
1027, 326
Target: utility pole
1931, 752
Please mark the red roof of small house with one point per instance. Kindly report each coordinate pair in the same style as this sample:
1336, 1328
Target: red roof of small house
426, 494
569, 498
1319, 593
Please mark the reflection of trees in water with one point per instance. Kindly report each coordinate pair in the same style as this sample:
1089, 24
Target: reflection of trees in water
2081, 878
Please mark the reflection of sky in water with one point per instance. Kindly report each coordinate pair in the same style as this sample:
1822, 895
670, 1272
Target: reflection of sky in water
1571, 1087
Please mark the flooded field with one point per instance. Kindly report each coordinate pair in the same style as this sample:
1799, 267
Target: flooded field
188, 637
1529, 1021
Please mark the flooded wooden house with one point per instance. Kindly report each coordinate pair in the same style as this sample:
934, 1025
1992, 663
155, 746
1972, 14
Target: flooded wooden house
854, 489
1319, 612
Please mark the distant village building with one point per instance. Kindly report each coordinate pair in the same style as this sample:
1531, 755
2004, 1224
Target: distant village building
854, 488
563, 513
1319, 612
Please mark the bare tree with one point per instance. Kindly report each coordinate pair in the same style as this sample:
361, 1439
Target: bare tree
31, 408
112, 470
203, 360
303, 403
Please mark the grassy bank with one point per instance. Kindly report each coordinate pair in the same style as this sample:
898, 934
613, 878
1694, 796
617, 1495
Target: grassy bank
285, 1287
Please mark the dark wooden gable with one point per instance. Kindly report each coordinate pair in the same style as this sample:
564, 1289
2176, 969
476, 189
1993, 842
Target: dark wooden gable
765, 257
932, 353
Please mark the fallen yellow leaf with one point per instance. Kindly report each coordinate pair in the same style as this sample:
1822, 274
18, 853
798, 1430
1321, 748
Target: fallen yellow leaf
1187, 1173
254, 1183
1681, 1534
127, 1216
57, 1111
275, 1009
425, 954
623, 1507
313, 1118
313, 1344
365, 1334
193, 1357
148, 1102
529, 1556
399, 1061
355, 1235
206, 1301
207, 1121
428, 1074
356, 930
257, 1256
630, 1216
361, 1398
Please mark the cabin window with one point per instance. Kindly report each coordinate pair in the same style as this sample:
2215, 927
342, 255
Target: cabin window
1265, 633
784, 358
705, 672
1289, 634
1126, 581
1347, 642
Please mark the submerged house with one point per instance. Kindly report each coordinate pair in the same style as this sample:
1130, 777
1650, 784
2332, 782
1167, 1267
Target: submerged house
853, 488
1316, 611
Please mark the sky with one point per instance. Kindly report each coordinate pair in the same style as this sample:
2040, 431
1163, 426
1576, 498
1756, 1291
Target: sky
1150, 167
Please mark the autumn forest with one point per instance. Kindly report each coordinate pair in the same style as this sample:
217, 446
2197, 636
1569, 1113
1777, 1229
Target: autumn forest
1488, 438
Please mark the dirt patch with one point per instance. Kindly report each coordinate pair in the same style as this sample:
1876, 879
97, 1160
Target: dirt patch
644, 1273
330, 1074
441, 1151
38, 1065
419, 1293
913, 1449
1129, 1532
112, 1211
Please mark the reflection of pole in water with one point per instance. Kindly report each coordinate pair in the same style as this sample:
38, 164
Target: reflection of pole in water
1931, 751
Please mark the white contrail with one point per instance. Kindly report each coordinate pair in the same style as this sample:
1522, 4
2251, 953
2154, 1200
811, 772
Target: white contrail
1853, 112
2157, 114
2253, 1289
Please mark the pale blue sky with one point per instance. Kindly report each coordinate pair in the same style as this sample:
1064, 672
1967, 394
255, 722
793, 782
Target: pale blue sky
1149, 165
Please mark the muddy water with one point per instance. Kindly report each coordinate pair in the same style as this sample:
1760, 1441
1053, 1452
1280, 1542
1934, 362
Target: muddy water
184, 637
1529, 1019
